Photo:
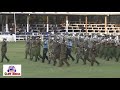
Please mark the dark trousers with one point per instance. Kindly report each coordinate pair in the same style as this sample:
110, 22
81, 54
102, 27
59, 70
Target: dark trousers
4, 56
45, 50
69, 54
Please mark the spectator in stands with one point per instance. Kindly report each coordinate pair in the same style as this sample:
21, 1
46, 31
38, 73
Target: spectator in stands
82, 28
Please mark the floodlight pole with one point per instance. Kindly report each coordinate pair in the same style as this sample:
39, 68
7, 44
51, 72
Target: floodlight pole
105, 24
47, 23
15, 23
14, 35
86, 24
66, 23
6, 23
28, 23
2, 23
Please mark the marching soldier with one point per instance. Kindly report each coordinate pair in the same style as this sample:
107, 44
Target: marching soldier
79, 52
27, 48
4, 50
69, 49
102, 49
56, 51
50, 53
117, 52
106, 50
63, 57
45, 50
111, 50
31, 42
86, 52
34, 52
39, 44
93, 55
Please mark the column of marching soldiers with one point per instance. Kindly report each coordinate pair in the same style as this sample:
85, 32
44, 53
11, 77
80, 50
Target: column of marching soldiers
86, 48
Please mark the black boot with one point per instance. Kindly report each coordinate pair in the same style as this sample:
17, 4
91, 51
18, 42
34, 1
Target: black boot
43, 61
8, 60
1, 61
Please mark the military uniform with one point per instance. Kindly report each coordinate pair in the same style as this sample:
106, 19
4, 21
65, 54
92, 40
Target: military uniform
117, 53
98, 49
63, 52
56, 51
27, 48
79, 52
38, 42
34, 52
4, 50
93, 55
50, 53
86, 52
106, 50
69, 49
109, 51
31, 42
45, 50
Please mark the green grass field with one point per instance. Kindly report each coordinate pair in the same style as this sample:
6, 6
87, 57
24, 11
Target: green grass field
30, 69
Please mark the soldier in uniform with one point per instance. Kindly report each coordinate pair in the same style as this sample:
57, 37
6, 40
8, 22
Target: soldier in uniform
79, 52
86, 52
50, 50
111, 51
69, 49
39, 44
27, 48
106, 49
63, 57
4, 50
31, 42
56, 51
117, 52
93, 55
102, 49
98, 48
34, 52
45, 50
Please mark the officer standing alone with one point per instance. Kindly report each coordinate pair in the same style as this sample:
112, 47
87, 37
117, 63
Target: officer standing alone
4, 50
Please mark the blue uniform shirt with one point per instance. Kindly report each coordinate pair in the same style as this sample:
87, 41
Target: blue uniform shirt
45, 44
69, 44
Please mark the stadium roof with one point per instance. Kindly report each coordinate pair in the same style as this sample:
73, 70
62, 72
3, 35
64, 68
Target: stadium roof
65, 13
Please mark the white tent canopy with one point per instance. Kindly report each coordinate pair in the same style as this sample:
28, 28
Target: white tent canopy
65, 13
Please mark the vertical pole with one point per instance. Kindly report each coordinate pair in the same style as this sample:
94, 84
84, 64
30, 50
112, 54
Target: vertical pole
105, 24
66, 23
1, 21
47, 24
6, 23
15, 23
14, 35
2, 24
28, 23
86, 24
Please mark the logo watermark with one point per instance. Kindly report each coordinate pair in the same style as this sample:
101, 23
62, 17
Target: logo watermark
12, 70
